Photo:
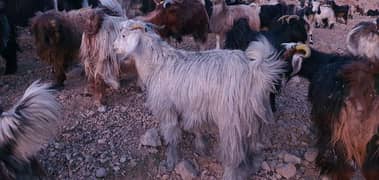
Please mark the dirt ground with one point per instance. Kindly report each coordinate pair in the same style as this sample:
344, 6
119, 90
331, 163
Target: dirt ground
89, 141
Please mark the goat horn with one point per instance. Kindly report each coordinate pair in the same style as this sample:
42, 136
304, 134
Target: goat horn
305, 48
288, 18
155, 26
137, 26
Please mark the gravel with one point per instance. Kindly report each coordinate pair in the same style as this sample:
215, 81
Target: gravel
105, 143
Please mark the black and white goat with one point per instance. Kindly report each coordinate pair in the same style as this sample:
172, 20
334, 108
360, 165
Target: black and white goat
286, 29
342, 11
324, 15
364, 39
344, 95
24, 129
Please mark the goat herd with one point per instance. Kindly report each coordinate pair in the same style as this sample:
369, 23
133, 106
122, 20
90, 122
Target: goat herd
233, 89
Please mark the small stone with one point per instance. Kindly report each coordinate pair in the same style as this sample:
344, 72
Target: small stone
165, 177
116, 168
52, 154
289, 158
186, 170
101, 141
102, 109
311, 155
265, 166
287, 171
123, 159
151, 138
133, 163
101, 172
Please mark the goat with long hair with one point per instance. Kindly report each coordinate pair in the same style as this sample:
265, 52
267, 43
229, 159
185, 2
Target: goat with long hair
58, 37
344, 95
364, 39
29, 124
229, 88
287, 29
179, 18
224, 16
102, 65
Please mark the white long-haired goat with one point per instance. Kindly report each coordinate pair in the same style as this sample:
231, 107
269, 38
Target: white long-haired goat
24, 129
229, 88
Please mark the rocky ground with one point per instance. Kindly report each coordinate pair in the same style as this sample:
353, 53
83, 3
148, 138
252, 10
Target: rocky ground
106, 143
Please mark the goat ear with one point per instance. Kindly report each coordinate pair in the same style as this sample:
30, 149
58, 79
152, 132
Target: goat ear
132, 42
297, 61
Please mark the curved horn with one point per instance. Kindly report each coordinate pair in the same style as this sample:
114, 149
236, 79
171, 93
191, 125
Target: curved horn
288, 18
305, 48
154, 26
137, 26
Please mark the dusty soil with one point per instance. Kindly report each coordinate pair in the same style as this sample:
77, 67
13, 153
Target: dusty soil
89, 140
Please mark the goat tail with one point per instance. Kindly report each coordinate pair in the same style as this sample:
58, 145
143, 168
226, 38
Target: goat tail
114, 6
31, 121
267, 70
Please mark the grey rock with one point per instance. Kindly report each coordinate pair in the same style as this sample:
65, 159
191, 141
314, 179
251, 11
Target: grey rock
151, 138
287, 171
101, 173
102, 109
186, 170
289, 158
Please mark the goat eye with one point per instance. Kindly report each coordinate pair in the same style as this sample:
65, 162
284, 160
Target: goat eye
123, 36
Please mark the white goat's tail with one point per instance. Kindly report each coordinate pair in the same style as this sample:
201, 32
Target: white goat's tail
267, 69
31, 121
114, 6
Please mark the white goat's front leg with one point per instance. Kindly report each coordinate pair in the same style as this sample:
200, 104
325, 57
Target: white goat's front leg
170, 129
201, 145
217, 41
56, 5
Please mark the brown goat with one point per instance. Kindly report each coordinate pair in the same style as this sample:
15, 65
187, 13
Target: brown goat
358, 121
179, 18
58, 37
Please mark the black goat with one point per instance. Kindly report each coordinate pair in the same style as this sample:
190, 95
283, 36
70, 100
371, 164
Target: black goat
344, 93
340, 11
287, 29
372, 12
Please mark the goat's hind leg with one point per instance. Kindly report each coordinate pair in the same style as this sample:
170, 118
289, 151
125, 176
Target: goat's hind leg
170, 129
332, 161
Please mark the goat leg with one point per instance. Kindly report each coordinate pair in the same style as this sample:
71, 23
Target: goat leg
171, 131
331, 159
370, 168
201, 145
99, 90
217, 41
60, 76
10, 54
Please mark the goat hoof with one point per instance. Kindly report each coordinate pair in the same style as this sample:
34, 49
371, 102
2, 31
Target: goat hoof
172, 159
201, 147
